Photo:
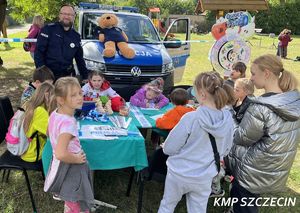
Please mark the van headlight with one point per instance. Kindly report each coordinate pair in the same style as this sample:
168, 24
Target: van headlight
93, 65
168, 68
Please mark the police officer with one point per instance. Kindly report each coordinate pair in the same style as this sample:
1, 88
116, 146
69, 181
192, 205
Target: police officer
58, 44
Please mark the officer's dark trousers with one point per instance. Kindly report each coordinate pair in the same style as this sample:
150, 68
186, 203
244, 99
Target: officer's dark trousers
240, 193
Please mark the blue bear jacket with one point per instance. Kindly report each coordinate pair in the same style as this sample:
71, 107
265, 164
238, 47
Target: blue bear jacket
113, 34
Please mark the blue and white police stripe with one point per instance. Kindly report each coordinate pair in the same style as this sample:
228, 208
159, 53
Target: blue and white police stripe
34, 40
18, 40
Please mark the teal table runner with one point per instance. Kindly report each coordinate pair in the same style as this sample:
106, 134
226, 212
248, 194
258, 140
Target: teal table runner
126, 151
148, 113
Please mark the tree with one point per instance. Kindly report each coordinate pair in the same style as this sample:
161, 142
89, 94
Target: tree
24, 9
21, 10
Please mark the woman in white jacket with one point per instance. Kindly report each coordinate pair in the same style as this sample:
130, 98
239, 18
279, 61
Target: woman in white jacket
191, 163
266, 140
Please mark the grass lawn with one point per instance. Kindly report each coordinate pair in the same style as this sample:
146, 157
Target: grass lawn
110, 186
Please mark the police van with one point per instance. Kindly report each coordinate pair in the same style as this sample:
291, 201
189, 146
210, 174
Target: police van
155, 56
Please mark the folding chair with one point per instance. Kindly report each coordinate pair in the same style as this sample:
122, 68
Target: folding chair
9, 161
6, 112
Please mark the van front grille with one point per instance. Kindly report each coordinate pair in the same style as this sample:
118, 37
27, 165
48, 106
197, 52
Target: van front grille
127, 68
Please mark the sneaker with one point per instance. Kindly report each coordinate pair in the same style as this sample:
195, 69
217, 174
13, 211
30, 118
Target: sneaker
218, 194
55, 197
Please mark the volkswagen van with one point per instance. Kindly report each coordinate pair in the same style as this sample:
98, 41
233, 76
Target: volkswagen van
156, 55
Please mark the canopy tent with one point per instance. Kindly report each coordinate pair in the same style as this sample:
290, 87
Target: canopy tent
236, 5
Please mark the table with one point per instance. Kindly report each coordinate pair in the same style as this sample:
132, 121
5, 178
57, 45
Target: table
147, 113
126, 151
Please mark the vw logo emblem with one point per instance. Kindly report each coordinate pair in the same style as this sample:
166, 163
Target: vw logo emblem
135, 71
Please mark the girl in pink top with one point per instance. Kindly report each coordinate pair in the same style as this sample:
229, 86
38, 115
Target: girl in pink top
69, 176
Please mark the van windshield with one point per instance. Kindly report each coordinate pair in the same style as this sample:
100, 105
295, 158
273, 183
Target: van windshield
138, 29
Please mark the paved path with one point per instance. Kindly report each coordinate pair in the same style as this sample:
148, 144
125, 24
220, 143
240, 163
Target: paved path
19, 28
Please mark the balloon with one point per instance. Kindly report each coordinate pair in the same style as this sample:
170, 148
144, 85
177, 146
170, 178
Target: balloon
232, 32
237, 19
218, 30
230, 46
247, 31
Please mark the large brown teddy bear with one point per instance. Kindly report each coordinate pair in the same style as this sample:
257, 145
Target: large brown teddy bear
111, 35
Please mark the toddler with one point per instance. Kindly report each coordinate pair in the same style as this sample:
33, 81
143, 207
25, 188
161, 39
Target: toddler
69, 176
97, 86
150, 95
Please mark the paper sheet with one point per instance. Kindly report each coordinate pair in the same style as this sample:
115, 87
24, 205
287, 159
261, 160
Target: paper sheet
155, 117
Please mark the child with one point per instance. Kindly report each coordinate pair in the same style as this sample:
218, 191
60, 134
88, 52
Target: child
284, 39
242, 89
191, 163
69, 176
238, 71
150, 95
98, 86
40, 75
34, 31
36, 118
179, 97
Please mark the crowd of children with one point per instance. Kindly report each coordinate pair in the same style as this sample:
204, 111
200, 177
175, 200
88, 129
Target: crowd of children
192, 170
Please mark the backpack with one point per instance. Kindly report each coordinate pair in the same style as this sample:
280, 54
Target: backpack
16, 139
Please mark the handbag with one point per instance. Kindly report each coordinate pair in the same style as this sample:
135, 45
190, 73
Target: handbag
26, 46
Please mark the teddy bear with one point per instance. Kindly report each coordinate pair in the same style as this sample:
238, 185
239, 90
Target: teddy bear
113, 36
103, 105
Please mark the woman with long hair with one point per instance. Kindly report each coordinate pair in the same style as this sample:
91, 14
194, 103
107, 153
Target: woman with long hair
34, 31
266, 140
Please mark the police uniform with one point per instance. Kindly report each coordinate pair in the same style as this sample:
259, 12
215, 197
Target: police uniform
56, 49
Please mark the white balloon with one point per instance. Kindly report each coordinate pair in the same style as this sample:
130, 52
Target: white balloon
248, 30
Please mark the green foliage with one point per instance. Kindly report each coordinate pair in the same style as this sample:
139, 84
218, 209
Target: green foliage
279, 17
24, 9
166, 6
110, 186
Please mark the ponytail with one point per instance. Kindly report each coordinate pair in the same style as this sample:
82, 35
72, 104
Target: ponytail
222, 93
287, 81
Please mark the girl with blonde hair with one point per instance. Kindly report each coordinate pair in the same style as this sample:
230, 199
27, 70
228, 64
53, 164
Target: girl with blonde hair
266, 140
36, 116
191, 163
69, 176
